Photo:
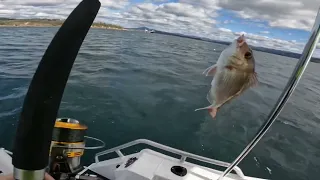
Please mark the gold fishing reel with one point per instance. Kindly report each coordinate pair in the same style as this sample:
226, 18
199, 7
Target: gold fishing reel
68, 145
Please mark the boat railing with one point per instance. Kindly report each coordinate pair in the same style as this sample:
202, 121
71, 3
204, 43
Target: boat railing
287, 92
184, 155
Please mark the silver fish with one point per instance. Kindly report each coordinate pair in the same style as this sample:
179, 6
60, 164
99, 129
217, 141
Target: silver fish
233, 73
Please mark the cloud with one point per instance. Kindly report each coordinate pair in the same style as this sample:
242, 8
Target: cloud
274, 43
207, 4
32, 2
160, 1
114, 4
183, 10
52, 8
174, 17
264, 32
298, 14
225, 30
259, 40
37, 9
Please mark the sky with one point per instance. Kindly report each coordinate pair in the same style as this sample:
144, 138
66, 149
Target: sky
276, 24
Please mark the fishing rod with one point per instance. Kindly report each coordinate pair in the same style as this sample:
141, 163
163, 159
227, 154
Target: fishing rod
41, 104
287, 92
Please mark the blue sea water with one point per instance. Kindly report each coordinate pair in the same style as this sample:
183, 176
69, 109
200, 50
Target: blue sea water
127, 85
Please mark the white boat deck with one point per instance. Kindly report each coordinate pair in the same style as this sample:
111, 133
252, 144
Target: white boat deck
152, 165
147, 165
6, 166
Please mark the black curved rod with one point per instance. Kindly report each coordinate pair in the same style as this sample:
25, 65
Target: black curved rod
41, 104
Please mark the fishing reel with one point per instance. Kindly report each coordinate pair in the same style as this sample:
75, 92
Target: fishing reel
67, 148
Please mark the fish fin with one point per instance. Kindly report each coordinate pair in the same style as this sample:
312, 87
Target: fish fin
210, 70
252, 81
208, 107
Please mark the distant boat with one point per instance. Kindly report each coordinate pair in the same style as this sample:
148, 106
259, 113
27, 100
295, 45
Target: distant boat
149, 31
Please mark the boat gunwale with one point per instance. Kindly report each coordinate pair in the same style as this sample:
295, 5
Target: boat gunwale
184, 155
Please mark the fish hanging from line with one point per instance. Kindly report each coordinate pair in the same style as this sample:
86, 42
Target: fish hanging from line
233, 73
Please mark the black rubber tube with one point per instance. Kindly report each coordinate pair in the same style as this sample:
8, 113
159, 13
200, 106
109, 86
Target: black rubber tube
41, 104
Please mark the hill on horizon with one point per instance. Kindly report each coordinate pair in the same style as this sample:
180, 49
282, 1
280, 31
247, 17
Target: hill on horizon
57, 22
262, 49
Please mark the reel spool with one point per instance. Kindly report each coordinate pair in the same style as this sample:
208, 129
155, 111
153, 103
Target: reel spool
67, 147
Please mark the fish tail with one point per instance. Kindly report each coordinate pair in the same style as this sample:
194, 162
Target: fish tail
213, 112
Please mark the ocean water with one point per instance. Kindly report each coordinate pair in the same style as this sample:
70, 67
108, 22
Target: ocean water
127, 85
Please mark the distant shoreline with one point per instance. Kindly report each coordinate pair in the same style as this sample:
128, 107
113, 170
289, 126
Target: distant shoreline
4, 22
24, 26
46, 23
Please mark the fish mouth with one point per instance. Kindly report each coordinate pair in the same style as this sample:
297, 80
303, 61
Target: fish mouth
244, 48
241, 41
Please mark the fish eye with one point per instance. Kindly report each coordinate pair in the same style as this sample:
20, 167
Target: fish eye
248, 55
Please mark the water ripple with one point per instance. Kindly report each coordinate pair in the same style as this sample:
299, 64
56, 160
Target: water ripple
137, 85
